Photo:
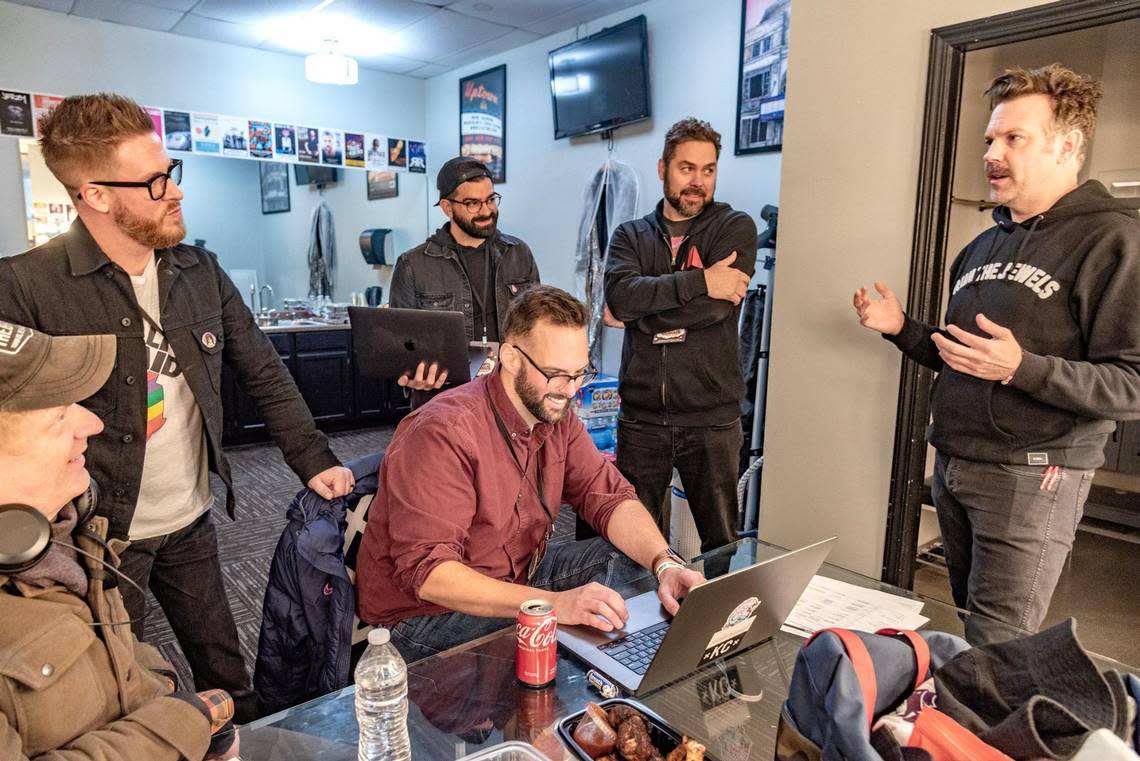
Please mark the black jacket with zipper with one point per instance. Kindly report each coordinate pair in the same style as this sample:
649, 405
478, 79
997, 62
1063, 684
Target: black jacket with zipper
68, 286
696, 382
430, 276
1067, 284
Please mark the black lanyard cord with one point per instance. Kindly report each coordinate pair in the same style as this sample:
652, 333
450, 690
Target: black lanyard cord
538, 489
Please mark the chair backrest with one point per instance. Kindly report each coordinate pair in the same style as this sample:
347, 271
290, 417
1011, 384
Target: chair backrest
355, 520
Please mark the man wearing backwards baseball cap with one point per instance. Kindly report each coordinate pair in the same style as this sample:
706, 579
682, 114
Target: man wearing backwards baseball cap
74, 682
466, 266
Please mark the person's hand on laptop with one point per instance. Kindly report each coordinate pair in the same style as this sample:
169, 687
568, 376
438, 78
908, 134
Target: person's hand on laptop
674, 584
425, 379
592, 604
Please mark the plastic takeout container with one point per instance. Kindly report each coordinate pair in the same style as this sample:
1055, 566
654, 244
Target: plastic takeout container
660, 733
510, 751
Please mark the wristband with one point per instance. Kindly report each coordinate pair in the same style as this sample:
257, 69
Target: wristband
666, 555
667, 564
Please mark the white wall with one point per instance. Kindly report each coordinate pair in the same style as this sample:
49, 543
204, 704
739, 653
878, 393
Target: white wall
50, 52
853, 125
694, 60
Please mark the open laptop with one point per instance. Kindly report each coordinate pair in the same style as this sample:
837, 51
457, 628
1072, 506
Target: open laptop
391, 342
719, 618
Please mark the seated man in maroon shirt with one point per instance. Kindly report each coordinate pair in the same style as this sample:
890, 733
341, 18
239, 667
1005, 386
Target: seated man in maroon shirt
457, 536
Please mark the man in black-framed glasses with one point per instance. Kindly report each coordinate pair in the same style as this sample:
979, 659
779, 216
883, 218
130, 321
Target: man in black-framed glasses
458, 535
122, 269
466, 266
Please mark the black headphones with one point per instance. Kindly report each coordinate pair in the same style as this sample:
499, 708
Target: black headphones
25, 532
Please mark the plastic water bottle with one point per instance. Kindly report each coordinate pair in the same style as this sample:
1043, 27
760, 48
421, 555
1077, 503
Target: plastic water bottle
382, 701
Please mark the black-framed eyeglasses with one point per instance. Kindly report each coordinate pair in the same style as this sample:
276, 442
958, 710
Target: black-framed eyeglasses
474, 205
559, 381
155, 186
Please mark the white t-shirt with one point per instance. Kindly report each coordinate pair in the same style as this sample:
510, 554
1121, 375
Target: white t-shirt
175, 488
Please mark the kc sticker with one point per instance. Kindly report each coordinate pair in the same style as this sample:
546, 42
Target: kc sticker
727, 640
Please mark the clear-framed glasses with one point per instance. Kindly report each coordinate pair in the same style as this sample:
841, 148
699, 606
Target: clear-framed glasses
474, 205
559, 381
155, 186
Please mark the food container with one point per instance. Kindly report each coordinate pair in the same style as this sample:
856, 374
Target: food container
660, 733
512, 751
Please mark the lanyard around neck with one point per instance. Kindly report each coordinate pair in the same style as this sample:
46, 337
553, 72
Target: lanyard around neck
538, 489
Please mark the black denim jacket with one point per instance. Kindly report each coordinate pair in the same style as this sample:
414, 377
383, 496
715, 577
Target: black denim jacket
430, 276
68, 286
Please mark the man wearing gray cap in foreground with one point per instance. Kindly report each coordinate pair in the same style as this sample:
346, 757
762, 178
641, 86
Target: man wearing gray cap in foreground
466, 266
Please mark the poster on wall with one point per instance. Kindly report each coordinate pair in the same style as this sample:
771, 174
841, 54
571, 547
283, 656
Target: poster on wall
155, 115
308, 145
353, 149
382, 184
483, 119
260, 140
274, 187
763, 75
16, 114
234, 142
204, 131
42, 105
176, 127
332, 147
397, 152
417, 157
376, 155
284, 142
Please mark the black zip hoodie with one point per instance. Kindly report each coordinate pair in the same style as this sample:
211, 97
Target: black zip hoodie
1067, 284
697, 382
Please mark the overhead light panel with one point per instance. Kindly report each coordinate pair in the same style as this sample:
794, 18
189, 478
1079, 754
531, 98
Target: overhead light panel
331, 67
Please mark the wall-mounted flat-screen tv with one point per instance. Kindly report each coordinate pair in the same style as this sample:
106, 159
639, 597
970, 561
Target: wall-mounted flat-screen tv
315, 175
602, 81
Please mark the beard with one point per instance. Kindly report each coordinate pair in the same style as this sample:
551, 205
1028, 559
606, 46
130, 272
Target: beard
687, 207
535, 401
468, 225
156, 235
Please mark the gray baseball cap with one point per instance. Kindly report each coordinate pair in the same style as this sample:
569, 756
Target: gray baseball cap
38, 371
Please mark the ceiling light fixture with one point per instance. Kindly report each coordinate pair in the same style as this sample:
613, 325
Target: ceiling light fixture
331, 67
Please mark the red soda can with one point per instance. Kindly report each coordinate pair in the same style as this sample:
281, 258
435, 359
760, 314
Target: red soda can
536, 650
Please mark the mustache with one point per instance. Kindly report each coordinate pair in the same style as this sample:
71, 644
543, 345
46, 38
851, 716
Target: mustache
992, 168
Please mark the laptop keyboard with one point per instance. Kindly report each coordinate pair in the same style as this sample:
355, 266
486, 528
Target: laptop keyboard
635, 651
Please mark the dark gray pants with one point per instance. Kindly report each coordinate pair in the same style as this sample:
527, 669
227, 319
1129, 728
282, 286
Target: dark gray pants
567, 565
1006, 539
183, 572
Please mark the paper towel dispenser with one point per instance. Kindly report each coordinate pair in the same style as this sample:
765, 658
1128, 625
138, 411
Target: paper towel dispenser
372, 245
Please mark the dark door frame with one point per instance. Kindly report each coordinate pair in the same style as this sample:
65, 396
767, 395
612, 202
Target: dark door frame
948, 48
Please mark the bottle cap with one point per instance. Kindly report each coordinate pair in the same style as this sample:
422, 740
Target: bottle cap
379, 636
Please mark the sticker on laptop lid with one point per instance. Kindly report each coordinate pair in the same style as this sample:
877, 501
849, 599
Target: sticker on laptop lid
727, 640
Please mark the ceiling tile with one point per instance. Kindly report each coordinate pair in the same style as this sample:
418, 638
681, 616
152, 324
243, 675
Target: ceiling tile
514, 12
389, 15
255, 12
446, 32
428, 71
509, 41
391, 63
591, 11
193, 25
127, 12
174, 5
59, 6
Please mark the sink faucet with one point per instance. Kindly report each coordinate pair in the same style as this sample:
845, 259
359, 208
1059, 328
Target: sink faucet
261, 296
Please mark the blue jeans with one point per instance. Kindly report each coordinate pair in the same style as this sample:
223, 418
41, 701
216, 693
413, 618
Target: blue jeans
1006, 539
567, 565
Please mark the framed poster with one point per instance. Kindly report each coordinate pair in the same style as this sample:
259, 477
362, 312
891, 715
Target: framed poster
274, 187
763, 75
382, 184
483, 119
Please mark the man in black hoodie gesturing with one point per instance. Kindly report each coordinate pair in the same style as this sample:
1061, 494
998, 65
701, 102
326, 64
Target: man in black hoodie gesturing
676, 278
1040, 355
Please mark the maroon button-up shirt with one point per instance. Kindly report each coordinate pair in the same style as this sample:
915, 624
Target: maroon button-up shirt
450, 490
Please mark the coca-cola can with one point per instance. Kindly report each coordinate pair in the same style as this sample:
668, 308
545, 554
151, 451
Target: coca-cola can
536, 650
